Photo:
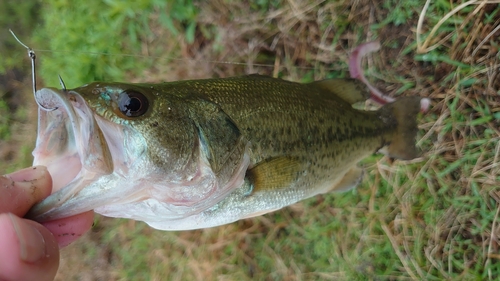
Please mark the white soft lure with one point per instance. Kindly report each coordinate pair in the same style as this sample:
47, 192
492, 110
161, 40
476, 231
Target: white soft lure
356, 72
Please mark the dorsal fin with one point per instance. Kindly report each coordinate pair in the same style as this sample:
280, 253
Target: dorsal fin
348, 89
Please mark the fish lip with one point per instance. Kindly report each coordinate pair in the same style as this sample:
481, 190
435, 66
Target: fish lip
66, 145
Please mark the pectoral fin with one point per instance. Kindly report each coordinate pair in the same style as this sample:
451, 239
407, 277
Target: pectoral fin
275, 173
348, 89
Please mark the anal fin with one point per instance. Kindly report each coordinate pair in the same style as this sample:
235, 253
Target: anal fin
350, 180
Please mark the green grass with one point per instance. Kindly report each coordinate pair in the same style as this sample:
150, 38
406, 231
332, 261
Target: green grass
433, 218
105, 40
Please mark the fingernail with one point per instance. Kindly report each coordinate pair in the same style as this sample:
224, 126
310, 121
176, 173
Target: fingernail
28, 174
31, 243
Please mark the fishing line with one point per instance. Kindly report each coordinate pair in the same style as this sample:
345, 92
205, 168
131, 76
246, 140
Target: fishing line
172, 58
160, 57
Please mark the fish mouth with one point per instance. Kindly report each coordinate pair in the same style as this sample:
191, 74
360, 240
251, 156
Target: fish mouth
70, 144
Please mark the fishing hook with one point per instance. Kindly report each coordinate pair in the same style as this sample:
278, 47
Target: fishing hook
61, 82
32, 56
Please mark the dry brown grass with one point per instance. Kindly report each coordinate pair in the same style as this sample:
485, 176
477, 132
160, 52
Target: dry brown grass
15, 151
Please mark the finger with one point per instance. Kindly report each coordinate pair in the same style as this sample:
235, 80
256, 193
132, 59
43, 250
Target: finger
67, 230
20, 190
29, 250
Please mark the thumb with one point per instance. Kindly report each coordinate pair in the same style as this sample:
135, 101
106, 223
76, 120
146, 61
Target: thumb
29, 250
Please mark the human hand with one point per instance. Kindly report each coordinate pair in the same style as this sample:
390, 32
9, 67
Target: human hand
29, 250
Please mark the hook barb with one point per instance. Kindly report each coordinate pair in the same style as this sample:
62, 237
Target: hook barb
61, 82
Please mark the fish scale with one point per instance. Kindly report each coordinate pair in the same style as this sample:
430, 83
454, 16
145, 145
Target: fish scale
208, 152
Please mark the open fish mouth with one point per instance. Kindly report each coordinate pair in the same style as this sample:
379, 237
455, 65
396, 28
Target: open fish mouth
104, 165
70, 144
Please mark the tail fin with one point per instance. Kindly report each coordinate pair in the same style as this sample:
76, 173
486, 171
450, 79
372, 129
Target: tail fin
404, 113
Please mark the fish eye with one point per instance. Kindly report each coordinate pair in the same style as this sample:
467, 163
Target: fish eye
132, 103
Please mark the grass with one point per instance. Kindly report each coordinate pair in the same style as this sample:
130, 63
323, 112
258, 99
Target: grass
432, 218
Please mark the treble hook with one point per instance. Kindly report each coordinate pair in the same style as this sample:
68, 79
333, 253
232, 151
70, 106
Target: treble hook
32, 56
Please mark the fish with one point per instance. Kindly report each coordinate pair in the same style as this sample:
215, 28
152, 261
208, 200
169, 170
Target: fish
195, 154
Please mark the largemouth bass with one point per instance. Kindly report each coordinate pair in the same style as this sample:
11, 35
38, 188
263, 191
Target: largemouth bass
202, 153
